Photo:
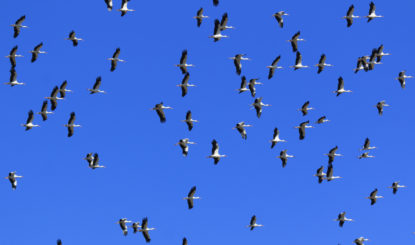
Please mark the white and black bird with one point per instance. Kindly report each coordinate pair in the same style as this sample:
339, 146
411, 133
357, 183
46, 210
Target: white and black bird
109, 4
18, 25
304, 109
123, 224
332, 154
185, 84
95, 89
54, 98
329, 174
395, 186
115, 59
340, 87
284, 157
362, 64
251, 86
301, 129
36, 51
243, 86
380, 105
322, 63
217, 35
360, 240
372, 15
199, 17
276, 138
294, 41
159, 108
136, 226
189, 121
273, 66
279, 17
349, 16
190, 197
13, 79
241, 129
12, 56
365, 155
298, 62
29, 122
342, 218
237, 62
145, 229
12, 178
183, 65
95, 162
253, 223
63, 90
74, 39
258, 104
320, 174
373, 59
224, 22
380, 53
373, 197
215, 152
89, 158
322, 120
366, 145
71, 124
44, 111
124, 8
184, 144
402, 78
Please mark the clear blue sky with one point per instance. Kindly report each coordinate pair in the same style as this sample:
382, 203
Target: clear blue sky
146, 175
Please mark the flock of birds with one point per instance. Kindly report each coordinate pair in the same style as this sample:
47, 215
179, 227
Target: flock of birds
364, 63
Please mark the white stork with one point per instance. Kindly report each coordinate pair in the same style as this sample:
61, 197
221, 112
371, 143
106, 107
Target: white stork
12, 178
17, 25
71, 124
215, 152
190, 197
159, 109
29, 123
276, 138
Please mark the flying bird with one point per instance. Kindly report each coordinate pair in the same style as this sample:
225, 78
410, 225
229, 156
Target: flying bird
349, 16
241, 129
304, 109
185, 84
89, 158
136, 226
320, 174
36, 51
73, 38
402, 78
199, 17
329, 174
302, 127
12, 178
145, 229
373, 197
183, 143
395, 186
71, 124
258, 106
366, 145
95, 89
276, 138
44, 110
224, 22
372, 15
322, 120
189, 121
12, 56
115, 59
284, 157
322, 63
237, 62
63, 90
298, 62
159, 108
243, 86
332, 154
253, 223
123, 224
361, 64
295, 38
340, 87
109, 4
124, 8
183, 65
13, 79
251, 86
18, 25
190, 197
217, 35
360, 240
380, 53
54, 97
365, 155
29, 122
95, 162
342, 218
278, 16
273, 66
215, 152
380, 106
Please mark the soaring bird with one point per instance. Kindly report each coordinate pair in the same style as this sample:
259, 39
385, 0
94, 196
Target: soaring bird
44, 110
215, 152
366, 145
136, 226
340, 87
243, 87
402, 78
115, 59
199, 17
95, 89
241, 129
63, 90
329, 174
373, 59
395, 186
298, 62
183, 65
217, 35
302, 127
123, 224
284, 157
322, 119
189, 121
360, 240
258, 106
278, 16
124, 8
12, 178
54, 98
73, 38
304, 109
322, 63
349, 16
273, 66
372, 13
342, 218
276, 138
159, 109
185, 84
361, 64
183, 143
365, 155
380, 53
89, 158
224, 22
373, 197
145, 229
237, 62
29, 122
380, 106
95, 162
109, 4
251, 86
295, 38
13, 79
12, 56
320, 174
253, 223
71, 124
36, 51
190, 197
332, 154
17, 25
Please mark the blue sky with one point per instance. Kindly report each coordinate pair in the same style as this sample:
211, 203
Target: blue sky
146, 175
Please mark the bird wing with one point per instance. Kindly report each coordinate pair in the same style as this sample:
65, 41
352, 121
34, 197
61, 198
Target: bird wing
34, 57
199, 21
243, 83
350, 10
224, 21
146, 236
72, 35
276, 132
190, 203
298, 58
322, 59
183, 58
113, 65
349, 22
109, 4
216, 30
215, 147
72, 118
340, 84
373, 193
116, 53
253, 220
275, 61
144, 223
20, 20
54, 92
97, 83
13, 75
30, 117
38, 47
333, 151
160, 113
186, 79
367, 143
372, 8
329, 173
280, 20
70, 131
238, 66
44, 106
184, 241
189, 115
